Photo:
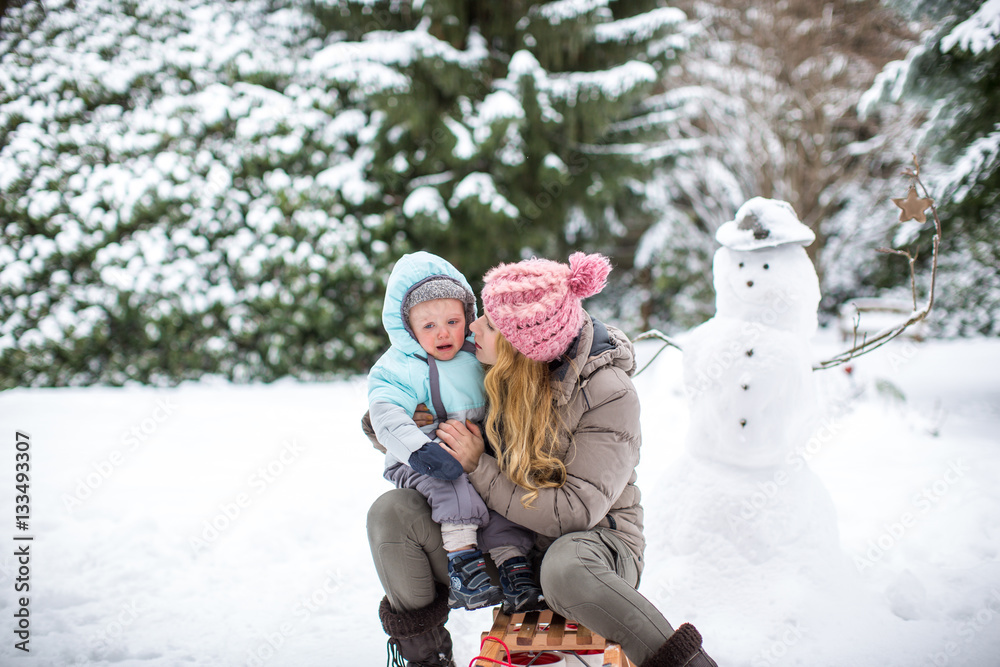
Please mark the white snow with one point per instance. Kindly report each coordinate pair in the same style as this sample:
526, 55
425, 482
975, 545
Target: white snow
480, 186
375, 63
499, 105
612, 83
640, 27
524, 63
426, 200
568, 10
348, 178
980, 32
465, 145
216, 524
961, 179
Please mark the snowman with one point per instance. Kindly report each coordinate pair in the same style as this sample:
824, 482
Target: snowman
742, 489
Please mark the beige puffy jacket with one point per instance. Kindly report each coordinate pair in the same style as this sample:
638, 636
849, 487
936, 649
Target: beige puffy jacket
600, 447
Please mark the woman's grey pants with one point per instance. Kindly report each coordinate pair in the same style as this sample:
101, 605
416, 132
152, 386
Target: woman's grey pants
589, 576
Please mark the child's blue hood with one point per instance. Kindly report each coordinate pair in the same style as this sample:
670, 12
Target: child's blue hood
409, 271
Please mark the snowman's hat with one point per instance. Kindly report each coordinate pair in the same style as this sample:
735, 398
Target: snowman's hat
764, 223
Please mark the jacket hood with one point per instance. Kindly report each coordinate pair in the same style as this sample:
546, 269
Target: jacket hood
598, 345
409, 272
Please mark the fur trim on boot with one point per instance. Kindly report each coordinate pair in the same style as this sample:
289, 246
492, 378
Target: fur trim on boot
682, 649
404, 624
419, 636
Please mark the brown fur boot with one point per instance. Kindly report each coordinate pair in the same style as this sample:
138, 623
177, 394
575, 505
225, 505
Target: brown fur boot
682, 649
419, 636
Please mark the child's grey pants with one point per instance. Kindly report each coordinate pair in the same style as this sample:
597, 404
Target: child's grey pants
457, 501
589, 576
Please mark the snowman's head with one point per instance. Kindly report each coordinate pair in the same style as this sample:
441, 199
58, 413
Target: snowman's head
776, 287
762, 272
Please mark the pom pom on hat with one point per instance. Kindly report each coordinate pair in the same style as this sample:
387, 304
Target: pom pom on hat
536, 303
588, 274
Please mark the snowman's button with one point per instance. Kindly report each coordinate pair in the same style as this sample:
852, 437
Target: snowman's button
750, 352
743, 423
749, 283
745, 386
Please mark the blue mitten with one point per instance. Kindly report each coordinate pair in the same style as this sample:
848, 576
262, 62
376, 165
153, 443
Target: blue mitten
433, 460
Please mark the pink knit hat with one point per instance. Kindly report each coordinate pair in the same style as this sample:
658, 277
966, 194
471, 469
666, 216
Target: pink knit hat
536, 303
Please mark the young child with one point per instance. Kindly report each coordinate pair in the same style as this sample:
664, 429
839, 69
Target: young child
427, 311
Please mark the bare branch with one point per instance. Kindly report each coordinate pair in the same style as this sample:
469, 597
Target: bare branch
881, 338
655, 333
913, 275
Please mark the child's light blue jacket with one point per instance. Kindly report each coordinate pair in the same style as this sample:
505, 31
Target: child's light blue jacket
401, 379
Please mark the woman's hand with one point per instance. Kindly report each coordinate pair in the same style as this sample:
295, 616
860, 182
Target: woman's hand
463, 441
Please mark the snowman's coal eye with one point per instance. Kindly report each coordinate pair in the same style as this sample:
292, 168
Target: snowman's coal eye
741, 265
766, 267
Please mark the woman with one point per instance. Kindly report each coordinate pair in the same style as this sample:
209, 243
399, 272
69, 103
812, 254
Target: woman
559, 455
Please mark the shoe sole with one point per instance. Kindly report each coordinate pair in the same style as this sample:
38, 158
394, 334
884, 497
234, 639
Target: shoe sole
478, 601
526, 606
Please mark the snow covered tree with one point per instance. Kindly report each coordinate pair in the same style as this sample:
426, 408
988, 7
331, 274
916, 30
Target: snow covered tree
765, 104
177, 197
192, 187
496, 125
955, 74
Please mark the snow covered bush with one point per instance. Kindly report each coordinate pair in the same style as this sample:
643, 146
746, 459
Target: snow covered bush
177, 198
504, 130
200, 187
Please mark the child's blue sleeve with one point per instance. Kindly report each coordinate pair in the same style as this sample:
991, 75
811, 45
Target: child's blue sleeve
391, 404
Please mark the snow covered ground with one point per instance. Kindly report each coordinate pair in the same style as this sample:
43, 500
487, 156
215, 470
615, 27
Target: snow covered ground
215, 524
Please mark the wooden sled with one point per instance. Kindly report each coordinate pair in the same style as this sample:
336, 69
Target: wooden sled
544, 631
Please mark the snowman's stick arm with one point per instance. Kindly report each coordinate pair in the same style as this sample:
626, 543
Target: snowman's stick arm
869, 344
655, 333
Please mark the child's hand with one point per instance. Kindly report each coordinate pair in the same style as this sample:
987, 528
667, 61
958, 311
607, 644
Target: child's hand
423, 417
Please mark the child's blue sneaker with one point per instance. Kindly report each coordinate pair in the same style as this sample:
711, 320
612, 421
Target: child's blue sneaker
471, 587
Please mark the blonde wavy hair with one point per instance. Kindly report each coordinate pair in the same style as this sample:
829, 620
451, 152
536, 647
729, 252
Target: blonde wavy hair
523, 418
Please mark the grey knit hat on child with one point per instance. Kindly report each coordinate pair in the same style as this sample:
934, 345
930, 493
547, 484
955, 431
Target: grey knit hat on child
439, 287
